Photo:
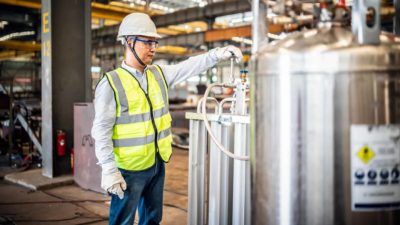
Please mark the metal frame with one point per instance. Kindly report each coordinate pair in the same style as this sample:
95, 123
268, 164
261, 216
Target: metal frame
28, 130
365, 34
219, 187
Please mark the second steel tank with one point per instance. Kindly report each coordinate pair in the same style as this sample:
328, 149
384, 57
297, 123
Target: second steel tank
325, 135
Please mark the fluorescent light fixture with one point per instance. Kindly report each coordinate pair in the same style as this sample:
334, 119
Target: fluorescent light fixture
276, 37
244, 40
17, 34
250, 42
160, 7
3, 24
202, 4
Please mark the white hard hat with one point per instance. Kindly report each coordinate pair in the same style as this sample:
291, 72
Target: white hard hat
137, 24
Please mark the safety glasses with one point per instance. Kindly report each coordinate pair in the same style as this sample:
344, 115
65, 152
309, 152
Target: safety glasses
148, 43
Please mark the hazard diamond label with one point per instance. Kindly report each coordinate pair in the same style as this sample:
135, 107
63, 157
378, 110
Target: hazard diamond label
375, 166
366, 154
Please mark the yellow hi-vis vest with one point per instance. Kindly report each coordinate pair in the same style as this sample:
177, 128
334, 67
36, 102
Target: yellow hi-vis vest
143, 123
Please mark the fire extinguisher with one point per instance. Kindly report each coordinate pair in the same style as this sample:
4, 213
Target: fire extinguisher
61, 145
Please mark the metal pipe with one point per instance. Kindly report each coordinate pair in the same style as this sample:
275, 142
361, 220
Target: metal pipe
208, 127
259, 26
221, 104
29, 131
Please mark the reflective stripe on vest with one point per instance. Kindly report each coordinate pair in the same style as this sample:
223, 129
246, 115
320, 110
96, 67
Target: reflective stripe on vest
141, 141
134, 132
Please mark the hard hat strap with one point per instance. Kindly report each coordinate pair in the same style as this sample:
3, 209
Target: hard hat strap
134, 52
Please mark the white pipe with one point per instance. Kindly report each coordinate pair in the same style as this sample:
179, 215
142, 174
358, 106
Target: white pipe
201, 101
259, 26
221, 104
207, 125
174, 144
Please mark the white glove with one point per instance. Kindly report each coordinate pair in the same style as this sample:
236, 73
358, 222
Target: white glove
227, 52
114, 183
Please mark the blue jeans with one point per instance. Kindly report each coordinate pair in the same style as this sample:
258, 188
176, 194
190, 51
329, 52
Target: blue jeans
145, 191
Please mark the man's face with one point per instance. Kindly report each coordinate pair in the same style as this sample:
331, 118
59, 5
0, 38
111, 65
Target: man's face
145, 48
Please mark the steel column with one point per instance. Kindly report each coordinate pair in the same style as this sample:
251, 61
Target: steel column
259, 27
47, 116
64, 74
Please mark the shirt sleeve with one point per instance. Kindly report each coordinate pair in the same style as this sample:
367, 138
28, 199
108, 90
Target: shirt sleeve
102, 130
195, 65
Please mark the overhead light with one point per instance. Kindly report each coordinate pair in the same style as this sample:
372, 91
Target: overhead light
242, 40
140, 2
202, 4
235, 19
3, 24
159, 7
25, 80
17, 34
276, 37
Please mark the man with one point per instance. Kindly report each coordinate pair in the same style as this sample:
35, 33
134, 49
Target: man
132, 125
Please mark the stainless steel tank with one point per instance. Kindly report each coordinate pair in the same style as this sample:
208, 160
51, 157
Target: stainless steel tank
308, 92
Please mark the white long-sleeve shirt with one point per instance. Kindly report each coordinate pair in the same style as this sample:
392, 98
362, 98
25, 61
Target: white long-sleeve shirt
105, 105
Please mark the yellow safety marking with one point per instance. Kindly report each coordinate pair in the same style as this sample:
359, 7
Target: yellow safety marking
45, 22
366, 154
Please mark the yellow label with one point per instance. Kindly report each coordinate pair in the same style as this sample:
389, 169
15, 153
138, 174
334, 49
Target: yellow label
45, 22
366, 154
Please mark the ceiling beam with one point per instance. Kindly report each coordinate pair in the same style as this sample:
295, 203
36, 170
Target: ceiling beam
16, 17
229, 33
20, 45
117, 13
208, 12
34, 4
192, 39
7, 55
102, 11
189, 15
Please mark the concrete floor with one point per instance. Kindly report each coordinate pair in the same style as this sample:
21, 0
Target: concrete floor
70, 204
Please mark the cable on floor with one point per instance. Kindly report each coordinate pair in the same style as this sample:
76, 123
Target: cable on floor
178, 193
174, 206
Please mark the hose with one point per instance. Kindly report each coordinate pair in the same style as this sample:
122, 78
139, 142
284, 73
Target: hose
201, 102
176, 145
207, 125
221, 104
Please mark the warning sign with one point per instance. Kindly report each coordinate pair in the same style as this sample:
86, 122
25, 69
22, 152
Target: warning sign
375, 167
365, 154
